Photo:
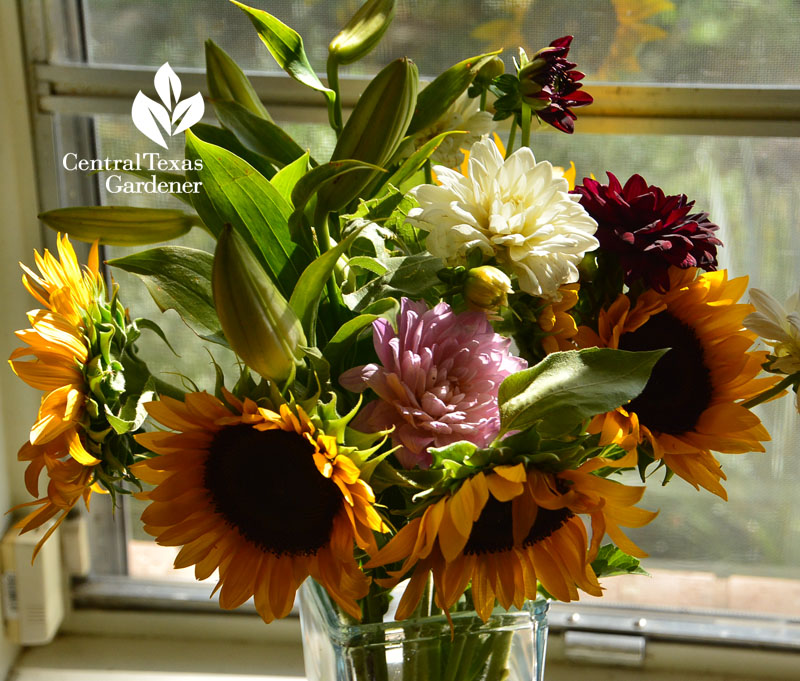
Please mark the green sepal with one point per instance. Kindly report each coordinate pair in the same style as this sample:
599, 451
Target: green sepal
612, 561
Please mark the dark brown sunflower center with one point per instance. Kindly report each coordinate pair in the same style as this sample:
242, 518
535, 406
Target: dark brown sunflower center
679, 389
267, 486
492, 532
546, 523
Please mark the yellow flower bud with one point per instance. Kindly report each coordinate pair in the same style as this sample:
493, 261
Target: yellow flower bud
363, 32
487, 288
256, 319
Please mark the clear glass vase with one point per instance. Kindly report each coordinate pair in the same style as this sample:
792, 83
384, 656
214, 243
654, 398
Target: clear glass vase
510, 646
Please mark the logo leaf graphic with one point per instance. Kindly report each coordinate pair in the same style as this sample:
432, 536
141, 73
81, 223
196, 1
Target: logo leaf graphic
145, 112
167, 81
192, 111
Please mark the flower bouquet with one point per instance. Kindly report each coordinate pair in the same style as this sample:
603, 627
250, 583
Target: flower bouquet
448, 352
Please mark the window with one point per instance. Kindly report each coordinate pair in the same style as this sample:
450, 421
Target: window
700, 98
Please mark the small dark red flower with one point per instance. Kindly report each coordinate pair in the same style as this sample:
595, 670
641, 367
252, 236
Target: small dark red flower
649, 231
549, 85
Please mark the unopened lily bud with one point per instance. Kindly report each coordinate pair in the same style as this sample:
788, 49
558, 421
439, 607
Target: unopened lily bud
374, 130
487, 288
120, 225
256, 319
363, 32
227, 82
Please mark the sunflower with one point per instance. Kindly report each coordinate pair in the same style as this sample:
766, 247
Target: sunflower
58, 345
693, 400
504, 530
261, 495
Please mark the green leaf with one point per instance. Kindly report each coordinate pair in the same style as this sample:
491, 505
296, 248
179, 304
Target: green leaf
566, 388
308, 291
227, 140
120, 225
415, 162
240, 196
257, 134
226, 81
316, 179
437, 97
412, 275
288, 176
178, 279
348, 332
612, 561
149, 324
369, 264
286, 46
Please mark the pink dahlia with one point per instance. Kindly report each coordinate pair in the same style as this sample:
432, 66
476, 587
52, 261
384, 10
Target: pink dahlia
438, 380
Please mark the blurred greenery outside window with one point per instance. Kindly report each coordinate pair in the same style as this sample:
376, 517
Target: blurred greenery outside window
705, 554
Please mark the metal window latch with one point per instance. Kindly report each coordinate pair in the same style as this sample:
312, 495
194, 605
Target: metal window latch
604, 649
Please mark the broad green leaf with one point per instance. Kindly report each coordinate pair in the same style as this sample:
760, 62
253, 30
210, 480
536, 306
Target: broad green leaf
178, 279
412, 275
439, 95
319, 177
348, 332
308, 291
226, 81
288, 176
566, 388
240, 196
612, 561
227, 140
286, 46
120, 225
257, 134
415, 162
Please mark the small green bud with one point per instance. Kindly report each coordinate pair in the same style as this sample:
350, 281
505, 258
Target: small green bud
120, 225
256, 319
487, 288
363, 32
489, 71
227, 82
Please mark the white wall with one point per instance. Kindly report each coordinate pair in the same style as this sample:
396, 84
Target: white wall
19, 235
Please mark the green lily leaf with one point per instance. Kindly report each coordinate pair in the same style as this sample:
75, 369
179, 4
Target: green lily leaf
179, 279
437, 97
319, 177
414, 163
286, 46
308, 291
227, 140
287, 177
257, 134
348, 332
566, 388
238, 195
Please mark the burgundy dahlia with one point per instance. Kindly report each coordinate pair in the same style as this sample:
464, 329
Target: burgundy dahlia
437, 381
549, 85
649, 231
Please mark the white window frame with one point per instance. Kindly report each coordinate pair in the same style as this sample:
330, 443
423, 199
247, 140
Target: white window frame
675, 642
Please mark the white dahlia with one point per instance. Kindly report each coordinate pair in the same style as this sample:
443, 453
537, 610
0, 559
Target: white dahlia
517, 211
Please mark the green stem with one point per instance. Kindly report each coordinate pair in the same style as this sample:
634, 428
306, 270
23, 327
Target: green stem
512, 136
498, 658
787, 382
483, 100
428, 172
335, 107
526, 125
